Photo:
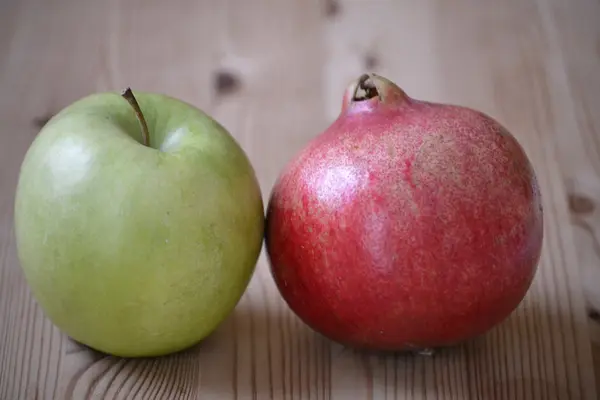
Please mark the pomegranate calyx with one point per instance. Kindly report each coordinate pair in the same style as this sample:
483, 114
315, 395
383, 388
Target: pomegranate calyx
365, 88
370, 90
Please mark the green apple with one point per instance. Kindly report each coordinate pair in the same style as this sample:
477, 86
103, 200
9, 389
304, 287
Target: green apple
138, 223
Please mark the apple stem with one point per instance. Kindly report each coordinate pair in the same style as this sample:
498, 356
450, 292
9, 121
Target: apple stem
128, 95
367, 87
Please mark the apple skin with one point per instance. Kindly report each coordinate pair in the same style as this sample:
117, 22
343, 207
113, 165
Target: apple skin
135, 250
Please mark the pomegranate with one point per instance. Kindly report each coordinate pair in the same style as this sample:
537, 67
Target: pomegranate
406, 225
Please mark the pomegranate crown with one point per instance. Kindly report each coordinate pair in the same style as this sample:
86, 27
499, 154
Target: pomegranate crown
372, 89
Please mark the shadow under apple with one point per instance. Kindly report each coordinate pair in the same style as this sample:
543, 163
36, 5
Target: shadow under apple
259, 350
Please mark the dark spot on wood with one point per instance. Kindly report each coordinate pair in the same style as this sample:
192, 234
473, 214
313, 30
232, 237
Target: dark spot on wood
579, 204
371, 61
225, 83
40, 122
594, 315
332, 8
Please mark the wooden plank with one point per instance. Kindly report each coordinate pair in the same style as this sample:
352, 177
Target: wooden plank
273, 73
521, 67
576, 34
35, 80
491, 58
524, 64
52, 61
190, 63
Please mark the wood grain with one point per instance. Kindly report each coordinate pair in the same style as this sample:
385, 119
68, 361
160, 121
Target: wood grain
577, 32
273, 74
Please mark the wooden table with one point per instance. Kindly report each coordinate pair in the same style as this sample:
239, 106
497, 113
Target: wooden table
273, 73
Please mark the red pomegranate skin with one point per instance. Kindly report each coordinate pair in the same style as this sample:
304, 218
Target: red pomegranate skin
405, 225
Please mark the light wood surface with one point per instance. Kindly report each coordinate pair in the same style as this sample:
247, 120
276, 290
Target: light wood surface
273, 73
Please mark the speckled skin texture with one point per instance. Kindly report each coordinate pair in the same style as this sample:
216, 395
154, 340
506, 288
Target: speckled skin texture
405, 225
